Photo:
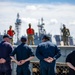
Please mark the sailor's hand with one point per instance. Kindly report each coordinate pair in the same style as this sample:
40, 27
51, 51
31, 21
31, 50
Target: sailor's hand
18, 63
74, 69
2, 60
13, 59
22, 62
50, 59
47, 60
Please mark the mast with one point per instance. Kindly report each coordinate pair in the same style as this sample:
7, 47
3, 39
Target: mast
18, 26
41, 29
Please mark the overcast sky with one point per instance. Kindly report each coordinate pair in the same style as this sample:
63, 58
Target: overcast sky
54, 12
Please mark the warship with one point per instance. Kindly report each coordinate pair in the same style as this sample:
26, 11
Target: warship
40, 33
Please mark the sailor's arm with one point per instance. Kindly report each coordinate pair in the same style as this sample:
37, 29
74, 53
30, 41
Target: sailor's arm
57, 53
70, 65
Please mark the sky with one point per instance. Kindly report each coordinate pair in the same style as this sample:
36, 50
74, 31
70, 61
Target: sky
41, 1
54, 12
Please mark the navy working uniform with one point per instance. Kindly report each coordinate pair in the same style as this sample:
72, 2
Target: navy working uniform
5, 50
71, 59
23, 51
46, 50
66, 34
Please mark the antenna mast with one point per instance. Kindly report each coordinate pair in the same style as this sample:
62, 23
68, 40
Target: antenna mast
17, 27
41, 27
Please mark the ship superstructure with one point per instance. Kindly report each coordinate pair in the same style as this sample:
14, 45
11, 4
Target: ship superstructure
41, 31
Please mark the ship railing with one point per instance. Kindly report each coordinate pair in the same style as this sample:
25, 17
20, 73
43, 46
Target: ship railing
60, 68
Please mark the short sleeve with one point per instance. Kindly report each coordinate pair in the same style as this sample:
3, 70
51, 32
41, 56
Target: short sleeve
68, 58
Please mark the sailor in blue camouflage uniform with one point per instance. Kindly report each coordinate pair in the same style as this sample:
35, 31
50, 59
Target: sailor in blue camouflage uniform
47, 53
23, 55
5, 50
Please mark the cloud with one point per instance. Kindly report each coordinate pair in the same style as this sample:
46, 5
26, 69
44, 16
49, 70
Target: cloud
53, 14
53, 21
31, 7
29, 20
72, 23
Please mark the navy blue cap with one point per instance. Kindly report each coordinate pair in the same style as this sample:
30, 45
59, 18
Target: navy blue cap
46, 37
7, 36
24, 38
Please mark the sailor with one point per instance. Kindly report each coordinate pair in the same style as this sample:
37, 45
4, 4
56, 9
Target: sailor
5, 50
23, 54
66, 34
30, 34
47, 53
11, 33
